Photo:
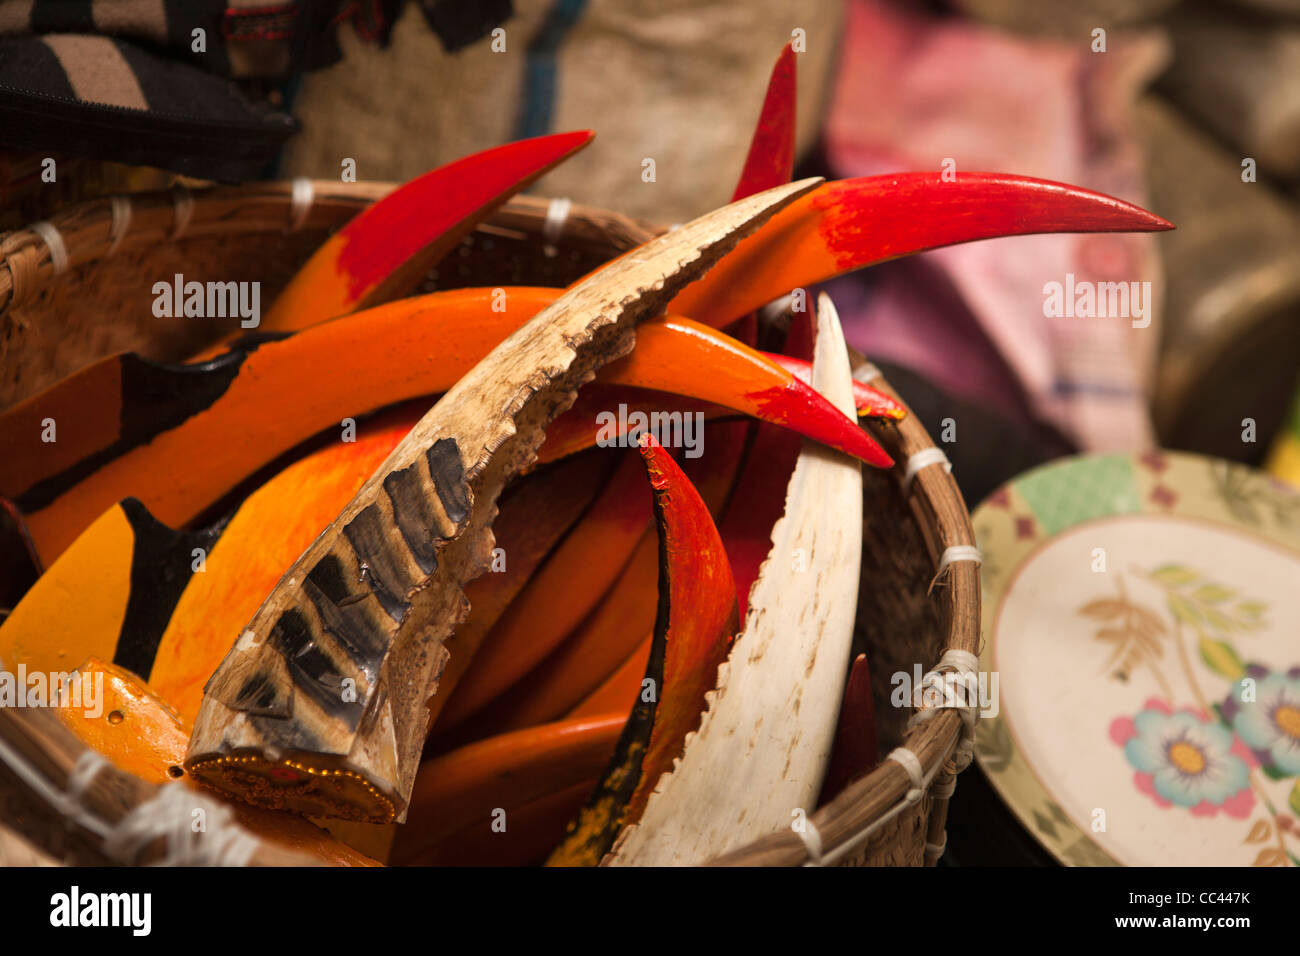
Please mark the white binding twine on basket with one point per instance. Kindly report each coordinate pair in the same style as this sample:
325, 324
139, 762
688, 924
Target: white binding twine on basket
168, 816
184, 200
951, 555
812, 841
54, 241
919, 780
923, 459
301, 196
557, 214
66, 802
935, 850
121, 207
960, 552
957, 695
866, 373
777, 307
963, 663
84, 771
952, 695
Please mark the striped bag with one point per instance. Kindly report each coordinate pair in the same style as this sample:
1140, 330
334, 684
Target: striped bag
154, 82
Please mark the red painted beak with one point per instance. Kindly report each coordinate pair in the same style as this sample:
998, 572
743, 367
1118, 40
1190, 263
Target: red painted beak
384, 252
852, 223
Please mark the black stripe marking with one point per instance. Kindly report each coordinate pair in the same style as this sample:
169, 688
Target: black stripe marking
290, 734
386, 578
155, 398
171, 87
414, 517
25, 64
623, 774
312, 671
62, 16
19, 565
448, 476
360, 635
161, 568
327, 575
261, 694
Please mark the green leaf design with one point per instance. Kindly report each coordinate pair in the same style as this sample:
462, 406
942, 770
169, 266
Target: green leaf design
1205, 605
1221, 658
1213, 593
1294, 799
1184, 610
1217, 620
1174, 575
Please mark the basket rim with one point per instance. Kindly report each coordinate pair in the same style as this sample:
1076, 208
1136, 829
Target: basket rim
93, 230
940, 511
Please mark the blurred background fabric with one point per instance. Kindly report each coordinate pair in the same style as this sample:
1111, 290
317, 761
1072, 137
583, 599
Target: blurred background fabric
916, 91
675, 81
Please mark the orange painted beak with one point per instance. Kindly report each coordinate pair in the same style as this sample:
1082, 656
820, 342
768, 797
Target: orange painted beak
559, 596
130, 610
150, 423
173, 630
458, 789
693, 633
576, 584
717, 368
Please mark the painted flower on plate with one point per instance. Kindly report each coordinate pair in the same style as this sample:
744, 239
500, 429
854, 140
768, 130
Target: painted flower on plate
1265, 713
1185, 758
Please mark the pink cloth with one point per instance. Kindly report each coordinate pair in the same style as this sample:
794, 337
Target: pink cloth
916, 90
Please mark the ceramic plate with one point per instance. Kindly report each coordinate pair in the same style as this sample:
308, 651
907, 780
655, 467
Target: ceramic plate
1142, 624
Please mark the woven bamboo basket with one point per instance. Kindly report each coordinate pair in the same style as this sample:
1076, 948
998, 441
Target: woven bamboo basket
61, 281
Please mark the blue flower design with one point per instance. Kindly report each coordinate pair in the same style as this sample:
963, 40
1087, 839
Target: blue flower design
1189, 759
1265, 713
